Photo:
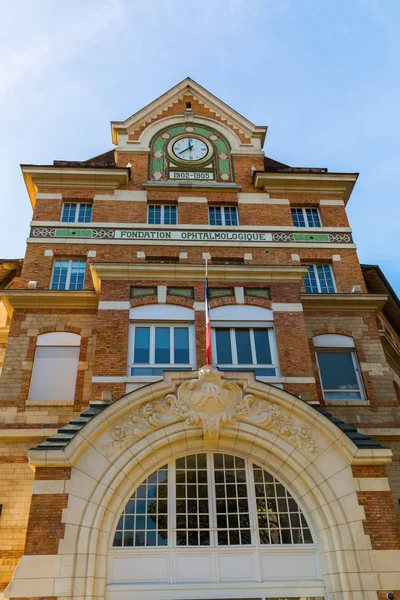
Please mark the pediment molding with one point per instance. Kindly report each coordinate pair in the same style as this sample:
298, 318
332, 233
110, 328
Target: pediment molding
186, 89
210, 403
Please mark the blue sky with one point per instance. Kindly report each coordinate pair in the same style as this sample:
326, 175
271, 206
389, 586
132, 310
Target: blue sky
322, 74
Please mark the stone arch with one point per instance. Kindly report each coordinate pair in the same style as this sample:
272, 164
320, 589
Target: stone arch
224, 301
132, 437
148, 133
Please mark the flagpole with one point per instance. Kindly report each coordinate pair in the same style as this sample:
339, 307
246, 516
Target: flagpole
208, 327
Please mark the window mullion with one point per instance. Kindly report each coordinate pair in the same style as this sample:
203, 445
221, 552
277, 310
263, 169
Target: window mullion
212, 509
76, 217
253, 347
69, 271
305, 217
359, 378
252, 504
171, 346
233, 346
172, 504
152, 353
162, 214
315, 267
274, 350
223, 215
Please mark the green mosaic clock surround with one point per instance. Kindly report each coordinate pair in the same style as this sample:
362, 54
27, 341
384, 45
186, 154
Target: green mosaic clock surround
162, 163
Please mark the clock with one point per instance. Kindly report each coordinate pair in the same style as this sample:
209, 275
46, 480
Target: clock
191, 149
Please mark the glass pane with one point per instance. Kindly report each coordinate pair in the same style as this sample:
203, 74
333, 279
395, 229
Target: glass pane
192, 512
181, 345
310, 281
223, 342
313, 217
170, 215
215, 215
280, 519
337, 371
162, 352
231, 215
144, 521
154, 217
233, 521
342, 395
243, 347
261, 341
142, 345
85, 213
68, 212
298, 217
325, 277
60, 273
77, 280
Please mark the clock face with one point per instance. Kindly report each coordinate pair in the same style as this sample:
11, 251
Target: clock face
190, 149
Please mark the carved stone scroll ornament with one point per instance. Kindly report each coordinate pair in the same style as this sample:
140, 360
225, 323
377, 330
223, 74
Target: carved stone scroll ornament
209, 402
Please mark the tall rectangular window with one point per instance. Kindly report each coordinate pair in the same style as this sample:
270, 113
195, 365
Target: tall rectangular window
340, 375
162, 214
76, 212
161, 347
223, 215
306, 217
245, 348
68, 275
320, 280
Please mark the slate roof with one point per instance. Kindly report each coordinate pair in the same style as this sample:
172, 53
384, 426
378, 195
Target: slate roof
105, 160
359, 439
273, 166
377, 283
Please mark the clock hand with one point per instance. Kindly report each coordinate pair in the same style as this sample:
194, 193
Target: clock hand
186, 149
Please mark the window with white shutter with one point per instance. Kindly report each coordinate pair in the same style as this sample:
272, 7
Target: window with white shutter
55, 367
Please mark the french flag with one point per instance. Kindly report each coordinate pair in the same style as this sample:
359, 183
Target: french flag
208, 328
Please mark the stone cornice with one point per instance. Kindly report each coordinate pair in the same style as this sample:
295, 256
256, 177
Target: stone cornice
48, 299
71, 177
195, 272
343, 302
339, 185
187, 185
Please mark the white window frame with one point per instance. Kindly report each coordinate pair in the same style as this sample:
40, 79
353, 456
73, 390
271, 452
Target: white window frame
340, 344
213, 529
314, 267
232, 325
163, 366
223, 207
78, 205
162, 206
304, 211
69, 272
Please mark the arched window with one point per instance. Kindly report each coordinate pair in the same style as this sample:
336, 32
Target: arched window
55, 367
338, 366
211, 499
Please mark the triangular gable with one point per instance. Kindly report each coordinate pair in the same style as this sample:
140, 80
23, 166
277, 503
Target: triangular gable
173, 103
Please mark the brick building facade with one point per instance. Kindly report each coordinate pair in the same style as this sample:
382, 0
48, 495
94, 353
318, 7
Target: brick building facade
129, 470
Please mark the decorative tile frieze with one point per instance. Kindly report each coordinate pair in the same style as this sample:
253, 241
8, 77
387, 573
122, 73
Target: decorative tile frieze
186, 235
